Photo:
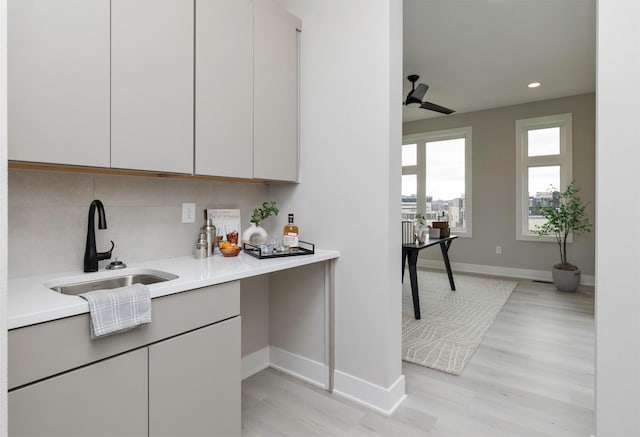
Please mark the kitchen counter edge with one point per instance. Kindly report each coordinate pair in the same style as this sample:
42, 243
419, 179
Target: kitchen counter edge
30, 302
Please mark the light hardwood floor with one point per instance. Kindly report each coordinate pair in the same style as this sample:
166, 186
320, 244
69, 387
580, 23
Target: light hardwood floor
533, 375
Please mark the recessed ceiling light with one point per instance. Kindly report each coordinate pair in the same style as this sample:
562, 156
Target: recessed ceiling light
534, 84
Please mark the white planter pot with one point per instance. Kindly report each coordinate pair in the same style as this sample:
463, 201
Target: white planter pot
566, 280
422, 233
254, 235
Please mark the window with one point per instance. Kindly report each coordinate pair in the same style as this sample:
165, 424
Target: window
544, 166
409, 180
436, 177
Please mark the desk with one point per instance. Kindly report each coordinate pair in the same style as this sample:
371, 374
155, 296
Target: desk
411, 251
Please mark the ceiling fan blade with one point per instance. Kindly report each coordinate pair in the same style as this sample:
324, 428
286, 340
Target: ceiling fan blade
437, 108
416, 95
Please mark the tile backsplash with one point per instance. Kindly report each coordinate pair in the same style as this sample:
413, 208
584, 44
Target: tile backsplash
48, 214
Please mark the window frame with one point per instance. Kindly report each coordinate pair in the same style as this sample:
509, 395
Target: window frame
421, 139
523, 162
408, 170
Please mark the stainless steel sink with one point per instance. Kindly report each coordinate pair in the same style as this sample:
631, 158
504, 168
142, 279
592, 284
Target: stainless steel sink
146, 278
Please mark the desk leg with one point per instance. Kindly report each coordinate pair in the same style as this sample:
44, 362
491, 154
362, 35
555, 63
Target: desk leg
444, 247
330, 321
404, 258
413, 275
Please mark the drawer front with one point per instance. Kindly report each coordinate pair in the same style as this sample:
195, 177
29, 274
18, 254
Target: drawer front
106, 399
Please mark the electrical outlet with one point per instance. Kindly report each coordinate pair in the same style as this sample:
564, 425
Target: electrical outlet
498, 250
188, 213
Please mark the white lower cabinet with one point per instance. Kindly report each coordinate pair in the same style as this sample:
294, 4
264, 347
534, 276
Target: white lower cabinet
194, 383
107, 399
188, 385
177, 376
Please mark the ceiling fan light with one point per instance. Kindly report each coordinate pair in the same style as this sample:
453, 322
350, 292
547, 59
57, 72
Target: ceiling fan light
534, 84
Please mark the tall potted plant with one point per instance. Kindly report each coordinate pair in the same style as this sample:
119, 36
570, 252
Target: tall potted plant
569, 217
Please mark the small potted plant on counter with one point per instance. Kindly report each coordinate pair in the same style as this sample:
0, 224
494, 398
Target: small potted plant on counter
256, 233
567, 218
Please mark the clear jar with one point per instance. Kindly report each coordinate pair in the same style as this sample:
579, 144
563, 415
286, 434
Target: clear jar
201, 247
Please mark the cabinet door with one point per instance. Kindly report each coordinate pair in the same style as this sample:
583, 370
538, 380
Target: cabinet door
276, 93
108, 399
194, 383
224, 88
58, 81
152, 85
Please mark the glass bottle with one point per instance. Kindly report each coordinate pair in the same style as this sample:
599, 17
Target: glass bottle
290, 235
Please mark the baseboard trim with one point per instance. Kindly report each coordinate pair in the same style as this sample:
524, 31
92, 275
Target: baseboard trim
254, 362
510, 272
383, 400
311, 371
303, 368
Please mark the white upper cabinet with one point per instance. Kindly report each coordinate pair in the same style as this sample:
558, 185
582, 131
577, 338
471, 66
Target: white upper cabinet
178, 86
224, 88
58, 81
275, 135
152, 85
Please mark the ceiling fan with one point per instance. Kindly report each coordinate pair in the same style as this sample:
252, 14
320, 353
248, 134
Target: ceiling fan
417, 93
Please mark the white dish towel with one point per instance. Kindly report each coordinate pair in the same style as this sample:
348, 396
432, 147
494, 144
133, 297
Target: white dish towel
119, 309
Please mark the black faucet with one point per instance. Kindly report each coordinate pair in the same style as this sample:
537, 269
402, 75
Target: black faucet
91, 255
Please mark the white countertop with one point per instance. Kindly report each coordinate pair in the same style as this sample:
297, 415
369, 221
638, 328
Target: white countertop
31, 302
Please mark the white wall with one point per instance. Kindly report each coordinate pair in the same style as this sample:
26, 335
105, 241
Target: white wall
296, 311
3, 218
349, 195
617, 259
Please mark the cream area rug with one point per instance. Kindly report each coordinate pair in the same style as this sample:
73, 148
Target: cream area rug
453, 323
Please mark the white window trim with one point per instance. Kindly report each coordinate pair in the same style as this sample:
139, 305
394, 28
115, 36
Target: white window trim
420, 170
523, 162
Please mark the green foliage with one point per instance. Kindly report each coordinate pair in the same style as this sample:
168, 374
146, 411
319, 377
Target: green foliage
568, 218
259, 214
421, 219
